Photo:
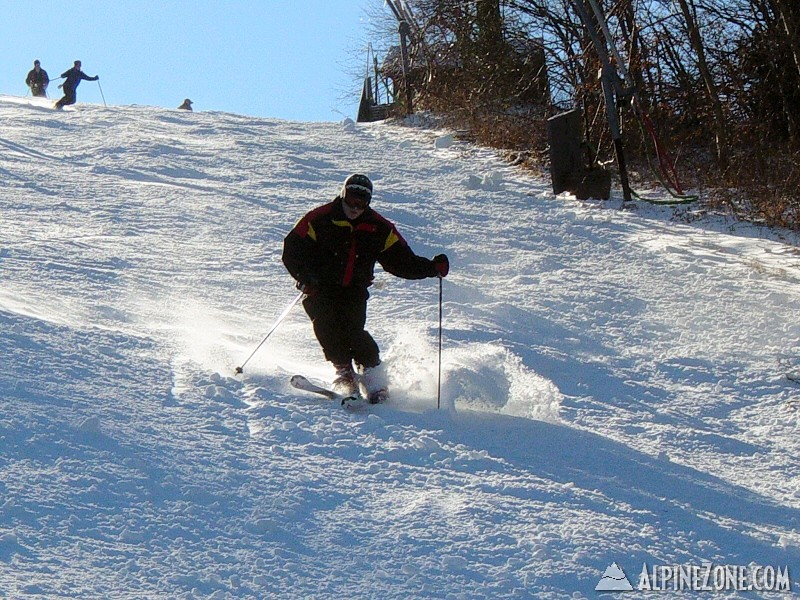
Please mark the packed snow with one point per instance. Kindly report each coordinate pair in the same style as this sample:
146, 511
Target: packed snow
614, 386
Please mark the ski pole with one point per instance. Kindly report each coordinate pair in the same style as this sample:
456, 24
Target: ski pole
102, 95
439, 383
240, 370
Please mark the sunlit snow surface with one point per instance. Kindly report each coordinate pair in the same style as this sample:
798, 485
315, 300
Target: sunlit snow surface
613, 381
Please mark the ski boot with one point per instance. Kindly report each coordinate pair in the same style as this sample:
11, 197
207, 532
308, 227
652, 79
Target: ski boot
346, 382
373, 380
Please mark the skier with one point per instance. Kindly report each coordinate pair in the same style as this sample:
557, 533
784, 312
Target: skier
187, 105
73, 79
37, 79
331, 253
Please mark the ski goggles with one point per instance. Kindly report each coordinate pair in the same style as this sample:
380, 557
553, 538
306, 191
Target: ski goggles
356, 199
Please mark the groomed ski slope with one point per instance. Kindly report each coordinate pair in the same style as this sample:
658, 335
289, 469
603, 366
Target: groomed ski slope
613, 385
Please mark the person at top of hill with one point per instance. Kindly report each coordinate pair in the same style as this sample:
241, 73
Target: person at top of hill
187, 105
37, 79
331, 253
73, 78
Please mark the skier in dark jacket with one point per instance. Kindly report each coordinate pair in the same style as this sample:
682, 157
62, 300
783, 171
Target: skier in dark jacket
332, 252
73, 79
37, 80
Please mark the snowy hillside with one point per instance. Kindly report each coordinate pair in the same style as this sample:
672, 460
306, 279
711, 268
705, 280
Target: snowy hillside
614, 381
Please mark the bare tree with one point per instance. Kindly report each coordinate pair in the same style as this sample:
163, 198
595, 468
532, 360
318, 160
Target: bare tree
696, 40
718, 77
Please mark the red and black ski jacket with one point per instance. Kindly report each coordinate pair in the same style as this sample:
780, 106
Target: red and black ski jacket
327, 250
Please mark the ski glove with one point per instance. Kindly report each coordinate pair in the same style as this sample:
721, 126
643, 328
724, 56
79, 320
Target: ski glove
441, 265
309, 285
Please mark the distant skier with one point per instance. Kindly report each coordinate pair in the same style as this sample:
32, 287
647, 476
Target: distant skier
187, 105
37, 80
73, 79
332, 252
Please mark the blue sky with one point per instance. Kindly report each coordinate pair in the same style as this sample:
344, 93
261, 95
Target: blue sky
291, 59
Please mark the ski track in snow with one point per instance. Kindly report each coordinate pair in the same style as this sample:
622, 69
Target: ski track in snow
613, 380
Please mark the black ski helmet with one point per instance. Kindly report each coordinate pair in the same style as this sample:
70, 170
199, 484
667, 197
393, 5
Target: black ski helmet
358, 183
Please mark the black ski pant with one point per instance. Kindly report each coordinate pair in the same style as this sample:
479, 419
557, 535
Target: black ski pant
70, 97
339, 316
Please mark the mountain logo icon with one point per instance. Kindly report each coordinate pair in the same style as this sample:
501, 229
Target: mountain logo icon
614, 580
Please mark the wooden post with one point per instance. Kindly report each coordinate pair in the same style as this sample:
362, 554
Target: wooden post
365, 104
564, 137
377, 75
567, 161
